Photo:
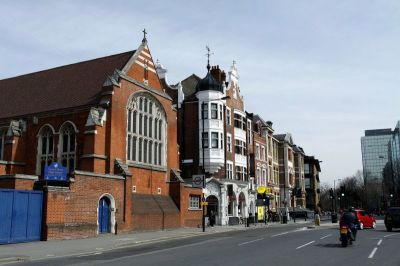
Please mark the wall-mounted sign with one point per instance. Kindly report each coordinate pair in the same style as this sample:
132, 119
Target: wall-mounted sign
197, 180
56, 172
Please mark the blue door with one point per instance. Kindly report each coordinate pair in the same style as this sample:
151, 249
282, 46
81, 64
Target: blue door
104, 215
20, 215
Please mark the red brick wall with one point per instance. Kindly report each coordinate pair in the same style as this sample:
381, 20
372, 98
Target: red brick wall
72, 213
190, 218
22, 184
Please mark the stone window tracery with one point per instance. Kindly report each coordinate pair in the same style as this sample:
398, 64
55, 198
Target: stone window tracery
146, 137
45, 155
67, 147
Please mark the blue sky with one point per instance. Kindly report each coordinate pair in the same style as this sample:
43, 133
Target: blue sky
322, 70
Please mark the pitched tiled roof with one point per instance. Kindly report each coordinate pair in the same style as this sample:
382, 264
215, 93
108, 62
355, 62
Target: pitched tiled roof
58, 88
280, 136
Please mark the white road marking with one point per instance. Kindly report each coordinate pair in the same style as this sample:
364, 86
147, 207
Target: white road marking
309, 243
168, 249
293, 231
372, 253
248, 242
379, 242
89, 254
390, 235
325, 236
281, 234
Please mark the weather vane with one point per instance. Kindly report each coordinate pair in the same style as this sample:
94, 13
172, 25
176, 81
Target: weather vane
208, 54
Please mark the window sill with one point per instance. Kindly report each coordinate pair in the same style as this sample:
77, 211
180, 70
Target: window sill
146, 166
194, 209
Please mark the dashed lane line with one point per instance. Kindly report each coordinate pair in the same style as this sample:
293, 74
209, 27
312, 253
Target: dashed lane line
306, 244
166, 249
252, 241
371, 255
281, 234
292, 231
379, 242
326, 236
390, 235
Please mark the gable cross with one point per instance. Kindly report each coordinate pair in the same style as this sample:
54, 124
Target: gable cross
144, 35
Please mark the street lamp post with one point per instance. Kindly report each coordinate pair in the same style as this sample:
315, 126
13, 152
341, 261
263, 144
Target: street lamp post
204, 168
203, 103
334, 191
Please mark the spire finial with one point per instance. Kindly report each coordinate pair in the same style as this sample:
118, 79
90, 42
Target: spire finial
144, 35
208, 54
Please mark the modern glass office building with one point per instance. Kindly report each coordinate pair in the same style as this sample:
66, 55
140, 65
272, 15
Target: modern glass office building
395, 153
376, 149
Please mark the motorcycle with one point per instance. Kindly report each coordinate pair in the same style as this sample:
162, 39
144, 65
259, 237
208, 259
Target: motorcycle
345, 235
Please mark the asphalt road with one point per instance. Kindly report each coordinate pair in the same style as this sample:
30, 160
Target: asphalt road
291, 245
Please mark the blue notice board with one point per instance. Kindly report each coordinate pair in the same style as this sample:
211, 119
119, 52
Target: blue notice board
55, 171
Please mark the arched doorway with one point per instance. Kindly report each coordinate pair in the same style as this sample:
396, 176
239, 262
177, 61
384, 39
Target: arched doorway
104, 215
212, 209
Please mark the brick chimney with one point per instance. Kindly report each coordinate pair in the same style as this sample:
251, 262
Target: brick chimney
218, 74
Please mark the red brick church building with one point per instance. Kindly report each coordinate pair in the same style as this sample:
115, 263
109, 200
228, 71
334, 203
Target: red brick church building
112, 126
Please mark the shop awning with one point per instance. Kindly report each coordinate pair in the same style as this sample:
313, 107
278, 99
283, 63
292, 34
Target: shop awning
264, 190
261, 190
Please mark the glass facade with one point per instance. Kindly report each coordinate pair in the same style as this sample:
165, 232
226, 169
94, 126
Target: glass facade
395, 152
375, 147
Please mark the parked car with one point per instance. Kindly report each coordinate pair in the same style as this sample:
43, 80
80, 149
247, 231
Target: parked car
366, 220
392, 218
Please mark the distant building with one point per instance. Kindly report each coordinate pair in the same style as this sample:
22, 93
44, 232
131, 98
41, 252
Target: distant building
259, 164
312, 169
286, 170
395, 158
300, 189
375, 147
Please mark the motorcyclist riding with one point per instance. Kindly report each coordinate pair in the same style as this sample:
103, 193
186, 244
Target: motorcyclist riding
349, 218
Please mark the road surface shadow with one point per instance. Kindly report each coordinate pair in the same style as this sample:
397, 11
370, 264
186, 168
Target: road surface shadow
330, 245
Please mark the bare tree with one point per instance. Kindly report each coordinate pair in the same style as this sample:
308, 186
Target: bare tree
325, 200
354, 189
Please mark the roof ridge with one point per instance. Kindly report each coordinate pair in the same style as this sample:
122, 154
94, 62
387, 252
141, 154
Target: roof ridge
67, 65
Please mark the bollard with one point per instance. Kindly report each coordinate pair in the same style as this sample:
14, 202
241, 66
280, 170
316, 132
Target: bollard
317, 219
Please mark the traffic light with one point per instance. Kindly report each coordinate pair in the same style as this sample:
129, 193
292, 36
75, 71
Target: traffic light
342, 191
331, 193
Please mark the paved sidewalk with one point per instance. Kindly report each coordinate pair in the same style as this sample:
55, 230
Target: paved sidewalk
86, 246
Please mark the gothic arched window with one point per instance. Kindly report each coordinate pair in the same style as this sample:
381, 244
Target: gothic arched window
146, 131
2, 139
45, 155
67, 146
